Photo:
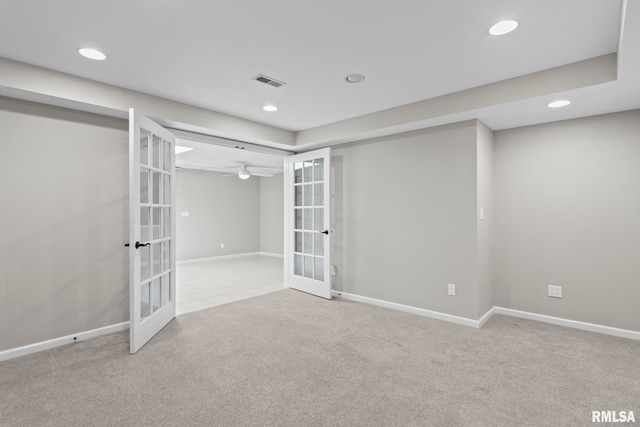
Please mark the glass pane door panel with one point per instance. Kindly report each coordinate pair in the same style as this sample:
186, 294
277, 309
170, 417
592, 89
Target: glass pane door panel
166, 163
156, 187
157, 220
297, 172
144, 186
166, 288
318, 219
297, 265
318, 268
318, 195
145, 263
167, 222
298, 196
144, 147
298, 216
318, 170
308, 219
308, 171
156, 295
166, 199
166, 256
157, 145
145, 306
308, 195
157, 267
308, 243
144, 224
318, 244
308, 267
298, 246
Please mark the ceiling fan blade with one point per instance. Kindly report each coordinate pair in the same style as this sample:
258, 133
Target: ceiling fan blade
266, 175
264, 167
229, 174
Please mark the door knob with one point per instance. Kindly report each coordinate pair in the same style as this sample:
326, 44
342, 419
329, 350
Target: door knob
138, 244
323, 232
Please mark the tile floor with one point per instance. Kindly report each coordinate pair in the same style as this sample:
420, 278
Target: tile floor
209, 283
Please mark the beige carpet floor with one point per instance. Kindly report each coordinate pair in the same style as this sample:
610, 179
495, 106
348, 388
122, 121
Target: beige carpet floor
291, 359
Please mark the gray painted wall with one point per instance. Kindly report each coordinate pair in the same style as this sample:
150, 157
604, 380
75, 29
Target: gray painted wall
405, 218
64, 201
221, 210
272, 214
567, 211
485, 226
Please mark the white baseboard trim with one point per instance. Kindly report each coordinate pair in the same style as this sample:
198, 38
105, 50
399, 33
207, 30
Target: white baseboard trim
57, 342
408, 309
214, 258
592, 327
486, 316
271, 254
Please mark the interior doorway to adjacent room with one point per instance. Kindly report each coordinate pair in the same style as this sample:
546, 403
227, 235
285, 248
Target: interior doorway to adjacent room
229, 222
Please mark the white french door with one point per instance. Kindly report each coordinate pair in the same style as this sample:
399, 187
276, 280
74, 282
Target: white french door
152, 259
309, 230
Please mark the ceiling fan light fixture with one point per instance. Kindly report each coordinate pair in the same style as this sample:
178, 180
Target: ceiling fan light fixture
243, 173
503, 27
270, 108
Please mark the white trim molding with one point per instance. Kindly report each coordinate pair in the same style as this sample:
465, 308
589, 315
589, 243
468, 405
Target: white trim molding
214, 258
591, 327
408, 309
57, 342
273, 254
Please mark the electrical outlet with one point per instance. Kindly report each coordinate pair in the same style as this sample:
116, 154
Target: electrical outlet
554, 291
452, 289
221, 245
333, 270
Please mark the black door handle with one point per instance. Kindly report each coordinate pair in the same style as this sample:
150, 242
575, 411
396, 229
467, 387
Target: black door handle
138, 244
324, 232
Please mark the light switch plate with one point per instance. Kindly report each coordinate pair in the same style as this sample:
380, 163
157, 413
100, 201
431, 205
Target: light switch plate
452, 289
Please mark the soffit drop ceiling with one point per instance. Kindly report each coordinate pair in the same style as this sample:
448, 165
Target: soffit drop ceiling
205, 53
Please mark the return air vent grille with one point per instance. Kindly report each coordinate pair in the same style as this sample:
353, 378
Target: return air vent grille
268, 80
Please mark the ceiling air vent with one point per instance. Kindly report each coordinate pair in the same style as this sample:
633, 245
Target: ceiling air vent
268, 80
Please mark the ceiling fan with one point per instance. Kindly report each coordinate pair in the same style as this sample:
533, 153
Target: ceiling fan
244, 173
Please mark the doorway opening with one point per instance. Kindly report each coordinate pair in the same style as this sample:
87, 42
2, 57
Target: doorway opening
229, 226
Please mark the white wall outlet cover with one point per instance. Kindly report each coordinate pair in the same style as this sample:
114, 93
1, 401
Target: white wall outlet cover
221, 245
554, 291
184, 214
451, 288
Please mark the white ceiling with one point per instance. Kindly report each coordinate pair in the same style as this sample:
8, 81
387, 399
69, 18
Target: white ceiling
204, 53
221, 158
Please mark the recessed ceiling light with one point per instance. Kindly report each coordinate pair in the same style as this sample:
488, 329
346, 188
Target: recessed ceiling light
560, 103
180, 149
92, 54
354, 78
270, 108
503, 27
